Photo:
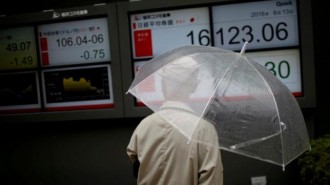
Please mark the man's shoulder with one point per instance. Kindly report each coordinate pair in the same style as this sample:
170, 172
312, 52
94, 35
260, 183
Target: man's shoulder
153, 118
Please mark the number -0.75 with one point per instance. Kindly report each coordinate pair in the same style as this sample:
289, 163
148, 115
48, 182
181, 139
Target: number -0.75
93, 54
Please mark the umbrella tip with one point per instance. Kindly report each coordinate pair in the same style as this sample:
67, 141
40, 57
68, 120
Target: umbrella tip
244, 47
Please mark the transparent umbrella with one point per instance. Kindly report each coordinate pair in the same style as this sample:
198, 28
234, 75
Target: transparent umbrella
253, 112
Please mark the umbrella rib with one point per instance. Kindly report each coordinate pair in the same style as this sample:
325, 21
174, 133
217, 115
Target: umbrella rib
253, 141
216, 87
208, 101
277, 111
268, 87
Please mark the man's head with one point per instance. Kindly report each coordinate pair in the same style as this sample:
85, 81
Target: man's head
179, 78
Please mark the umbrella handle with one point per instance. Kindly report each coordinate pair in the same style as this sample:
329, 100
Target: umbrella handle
253, 141
244, 47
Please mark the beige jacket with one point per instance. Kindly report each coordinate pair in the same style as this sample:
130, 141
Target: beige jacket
166, 157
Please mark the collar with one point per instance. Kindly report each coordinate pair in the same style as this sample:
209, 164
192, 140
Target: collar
177, 106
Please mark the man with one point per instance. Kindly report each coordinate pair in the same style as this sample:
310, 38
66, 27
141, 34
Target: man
164, 155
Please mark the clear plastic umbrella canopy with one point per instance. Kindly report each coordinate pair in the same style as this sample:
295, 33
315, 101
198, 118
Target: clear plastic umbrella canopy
253, 112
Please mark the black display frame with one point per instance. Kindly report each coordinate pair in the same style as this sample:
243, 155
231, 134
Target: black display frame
125, 9
108, 11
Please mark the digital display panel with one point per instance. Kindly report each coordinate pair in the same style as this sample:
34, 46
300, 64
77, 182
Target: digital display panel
60, 65
85, 87
19, 91
156, 32
279, 35
264, 24
74, 42
18, 48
